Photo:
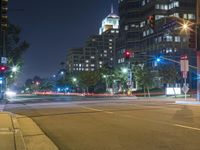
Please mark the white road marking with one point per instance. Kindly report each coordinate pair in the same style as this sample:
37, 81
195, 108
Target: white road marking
138, 118
99, 110
187, 127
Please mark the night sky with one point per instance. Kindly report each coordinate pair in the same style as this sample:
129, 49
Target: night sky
52, 27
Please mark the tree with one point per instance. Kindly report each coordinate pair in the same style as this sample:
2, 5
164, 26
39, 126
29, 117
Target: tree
14, 49
144, 77
88, 79
14, 46
63, 81
169, 73
46, 85
121, 77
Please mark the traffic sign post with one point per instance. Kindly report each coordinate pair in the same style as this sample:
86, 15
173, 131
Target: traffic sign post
184, 69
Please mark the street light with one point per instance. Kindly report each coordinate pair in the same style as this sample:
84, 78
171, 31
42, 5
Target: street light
74, 79
185, 26
62, 73
124, 70
14, 69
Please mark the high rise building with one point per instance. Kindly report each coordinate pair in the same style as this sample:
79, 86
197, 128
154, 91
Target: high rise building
75, 60
99, 49
155, 27
110, 22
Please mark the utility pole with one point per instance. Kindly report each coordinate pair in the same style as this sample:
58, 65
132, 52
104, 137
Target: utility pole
198, 46
3, 29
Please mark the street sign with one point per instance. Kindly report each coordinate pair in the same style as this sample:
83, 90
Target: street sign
184, 65
168, 25
4, 60
185, 89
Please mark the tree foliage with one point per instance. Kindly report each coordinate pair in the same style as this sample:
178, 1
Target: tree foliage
89, 79
169, 73
144, 77
15, 48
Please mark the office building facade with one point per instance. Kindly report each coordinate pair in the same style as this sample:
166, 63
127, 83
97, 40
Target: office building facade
155, 28
99, 49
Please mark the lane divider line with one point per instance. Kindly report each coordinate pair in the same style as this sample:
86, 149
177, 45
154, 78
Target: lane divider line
187, 127
99, 110
154, 121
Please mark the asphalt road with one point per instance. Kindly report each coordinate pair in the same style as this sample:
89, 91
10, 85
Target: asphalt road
116, 124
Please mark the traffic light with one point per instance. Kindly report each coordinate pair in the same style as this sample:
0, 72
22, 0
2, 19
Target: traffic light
3, 68
192, 39
151, 21
4, 17
128, 54
1, 80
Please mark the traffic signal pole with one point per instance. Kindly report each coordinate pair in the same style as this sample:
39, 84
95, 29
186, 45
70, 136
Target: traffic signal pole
197, 47
3, 28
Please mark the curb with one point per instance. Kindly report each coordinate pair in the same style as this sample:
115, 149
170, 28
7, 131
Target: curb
34, 137
19, 139
11, 133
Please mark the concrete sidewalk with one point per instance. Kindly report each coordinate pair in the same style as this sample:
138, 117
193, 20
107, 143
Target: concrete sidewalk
21, 133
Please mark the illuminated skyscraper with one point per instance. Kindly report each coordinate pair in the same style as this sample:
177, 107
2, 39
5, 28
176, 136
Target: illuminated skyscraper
110, 22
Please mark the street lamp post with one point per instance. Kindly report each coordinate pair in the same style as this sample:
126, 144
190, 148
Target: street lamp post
197, 47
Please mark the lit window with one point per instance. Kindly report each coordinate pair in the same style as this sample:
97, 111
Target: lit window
185, 16
176, 4
126, 27
169, 38
177, 39
143, 2
191, 16
142, 24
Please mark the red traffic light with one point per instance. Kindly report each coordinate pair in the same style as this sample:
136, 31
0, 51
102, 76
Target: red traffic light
128, 54
3, 68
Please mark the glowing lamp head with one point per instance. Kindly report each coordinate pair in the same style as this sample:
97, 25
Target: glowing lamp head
158, 59
185, 26
124, 70
74, 79
14, 69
